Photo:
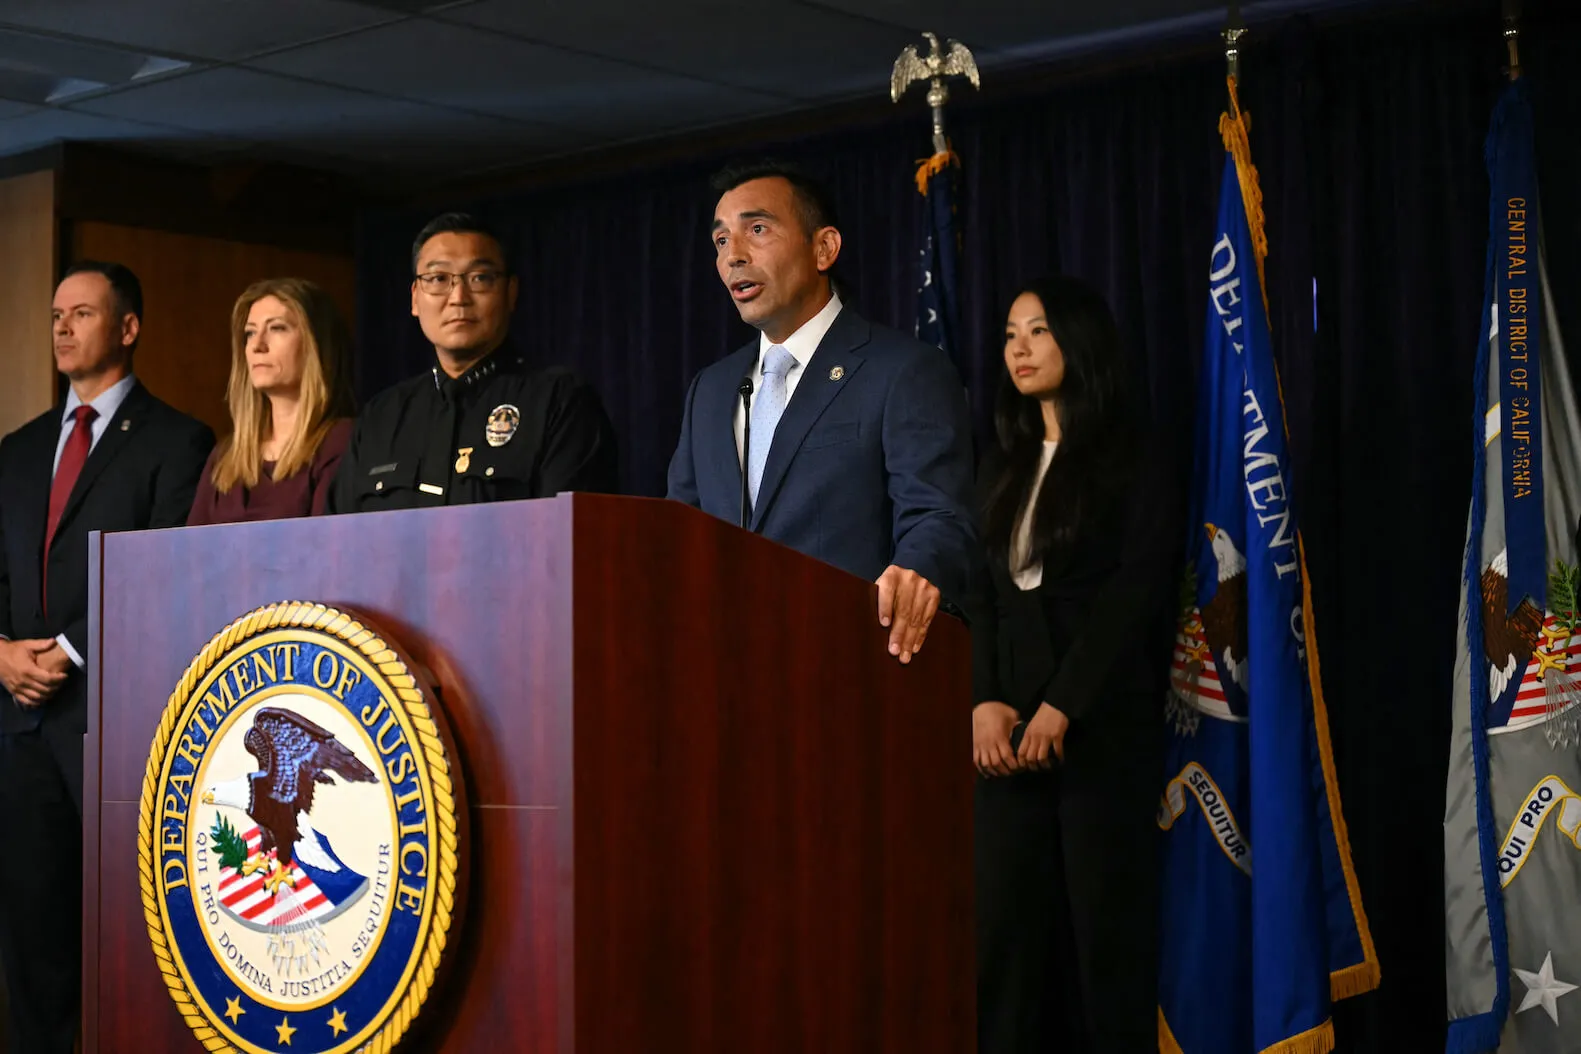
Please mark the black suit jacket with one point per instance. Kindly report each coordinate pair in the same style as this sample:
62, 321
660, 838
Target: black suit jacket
142, 473
1093, 639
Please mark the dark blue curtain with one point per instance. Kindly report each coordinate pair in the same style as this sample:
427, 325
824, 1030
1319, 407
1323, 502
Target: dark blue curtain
1369, 144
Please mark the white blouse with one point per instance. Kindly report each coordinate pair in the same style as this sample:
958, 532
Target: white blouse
1029, 575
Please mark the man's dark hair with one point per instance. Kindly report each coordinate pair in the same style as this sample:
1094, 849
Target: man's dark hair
124, 286
814, 203
458, 223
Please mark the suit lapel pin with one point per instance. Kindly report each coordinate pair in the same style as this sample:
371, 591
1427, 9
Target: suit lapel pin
836, 373
126, 426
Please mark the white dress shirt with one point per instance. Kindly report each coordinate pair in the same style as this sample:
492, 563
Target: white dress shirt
106, 404
1029, 576
801, 344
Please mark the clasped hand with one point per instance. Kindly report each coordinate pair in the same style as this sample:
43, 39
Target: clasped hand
992, 724
33, 670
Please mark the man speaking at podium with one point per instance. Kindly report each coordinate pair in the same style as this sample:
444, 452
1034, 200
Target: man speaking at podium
851, 441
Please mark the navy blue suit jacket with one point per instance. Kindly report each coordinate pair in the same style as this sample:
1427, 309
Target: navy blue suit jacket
867, 469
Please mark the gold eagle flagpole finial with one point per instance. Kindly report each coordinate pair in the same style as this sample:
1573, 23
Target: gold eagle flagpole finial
952, 60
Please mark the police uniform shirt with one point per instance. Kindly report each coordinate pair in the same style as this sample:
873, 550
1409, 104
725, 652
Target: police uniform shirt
503, 430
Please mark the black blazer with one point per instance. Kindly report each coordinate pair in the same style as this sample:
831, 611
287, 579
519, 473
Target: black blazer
142, 473
1093, 640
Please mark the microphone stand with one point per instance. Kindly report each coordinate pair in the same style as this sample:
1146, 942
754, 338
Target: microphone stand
744, 389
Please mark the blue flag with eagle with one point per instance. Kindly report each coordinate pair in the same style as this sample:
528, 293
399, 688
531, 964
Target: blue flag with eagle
937, 310
1512, 815
1262, 924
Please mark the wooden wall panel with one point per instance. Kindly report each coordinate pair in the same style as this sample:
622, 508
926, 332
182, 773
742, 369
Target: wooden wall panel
27, 245
189, 286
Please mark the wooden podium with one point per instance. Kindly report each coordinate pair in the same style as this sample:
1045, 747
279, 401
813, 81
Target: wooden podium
708, 811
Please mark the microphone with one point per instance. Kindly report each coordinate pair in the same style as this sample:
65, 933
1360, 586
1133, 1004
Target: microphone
744, 389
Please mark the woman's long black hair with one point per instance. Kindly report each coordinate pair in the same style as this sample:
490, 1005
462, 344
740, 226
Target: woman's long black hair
1097, 420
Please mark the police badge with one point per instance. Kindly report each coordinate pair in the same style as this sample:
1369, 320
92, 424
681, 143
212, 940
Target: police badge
503, 422
300, 837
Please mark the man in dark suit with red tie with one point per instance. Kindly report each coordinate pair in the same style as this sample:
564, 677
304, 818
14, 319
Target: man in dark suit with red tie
114, 459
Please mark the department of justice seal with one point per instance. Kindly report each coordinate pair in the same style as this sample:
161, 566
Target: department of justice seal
300, 837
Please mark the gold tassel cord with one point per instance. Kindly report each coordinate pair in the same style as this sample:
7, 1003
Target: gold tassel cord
932, 166
1236, 128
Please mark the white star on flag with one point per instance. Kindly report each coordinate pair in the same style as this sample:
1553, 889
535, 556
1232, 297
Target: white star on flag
1542, 989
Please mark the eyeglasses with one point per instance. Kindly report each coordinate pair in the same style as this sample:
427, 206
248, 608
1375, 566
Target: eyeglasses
439, 283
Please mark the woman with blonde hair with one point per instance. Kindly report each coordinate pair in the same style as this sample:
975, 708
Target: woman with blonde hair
291, 407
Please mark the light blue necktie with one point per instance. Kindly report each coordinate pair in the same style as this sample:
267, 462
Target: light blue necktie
767, 406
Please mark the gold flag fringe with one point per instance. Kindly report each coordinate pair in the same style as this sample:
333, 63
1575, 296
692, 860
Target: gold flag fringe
1167, 1044
1319, 1040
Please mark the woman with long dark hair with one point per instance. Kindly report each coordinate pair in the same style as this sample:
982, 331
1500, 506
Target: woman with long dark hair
1071, 651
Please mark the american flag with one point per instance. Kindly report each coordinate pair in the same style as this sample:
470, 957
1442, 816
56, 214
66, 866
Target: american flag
937, 307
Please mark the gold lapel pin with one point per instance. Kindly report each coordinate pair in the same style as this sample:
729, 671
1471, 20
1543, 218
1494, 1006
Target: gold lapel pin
464, 460
836, 373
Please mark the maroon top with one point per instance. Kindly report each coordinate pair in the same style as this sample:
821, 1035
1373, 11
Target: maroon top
301, 494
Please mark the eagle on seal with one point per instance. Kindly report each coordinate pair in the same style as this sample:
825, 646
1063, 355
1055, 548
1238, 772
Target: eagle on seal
1509, 639
1224, 615
294, 755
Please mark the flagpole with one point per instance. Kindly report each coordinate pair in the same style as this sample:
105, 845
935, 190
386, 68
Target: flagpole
1512, 34
937, 305
1234, 30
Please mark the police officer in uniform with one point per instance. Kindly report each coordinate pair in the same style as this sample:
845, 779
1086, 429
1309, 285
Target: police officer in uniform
483, 425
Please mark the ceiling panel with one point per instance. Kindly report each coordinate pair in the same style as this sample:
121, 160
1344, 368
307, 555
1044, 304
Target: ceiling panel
788, 49
442, 88
992, 25
42, 127
346, 124
210, 29
8, 110
505, 77
246, 103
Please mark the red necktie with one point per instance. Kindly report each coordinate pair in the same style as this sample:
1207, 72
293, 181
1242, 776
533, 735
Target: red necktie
71, 461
